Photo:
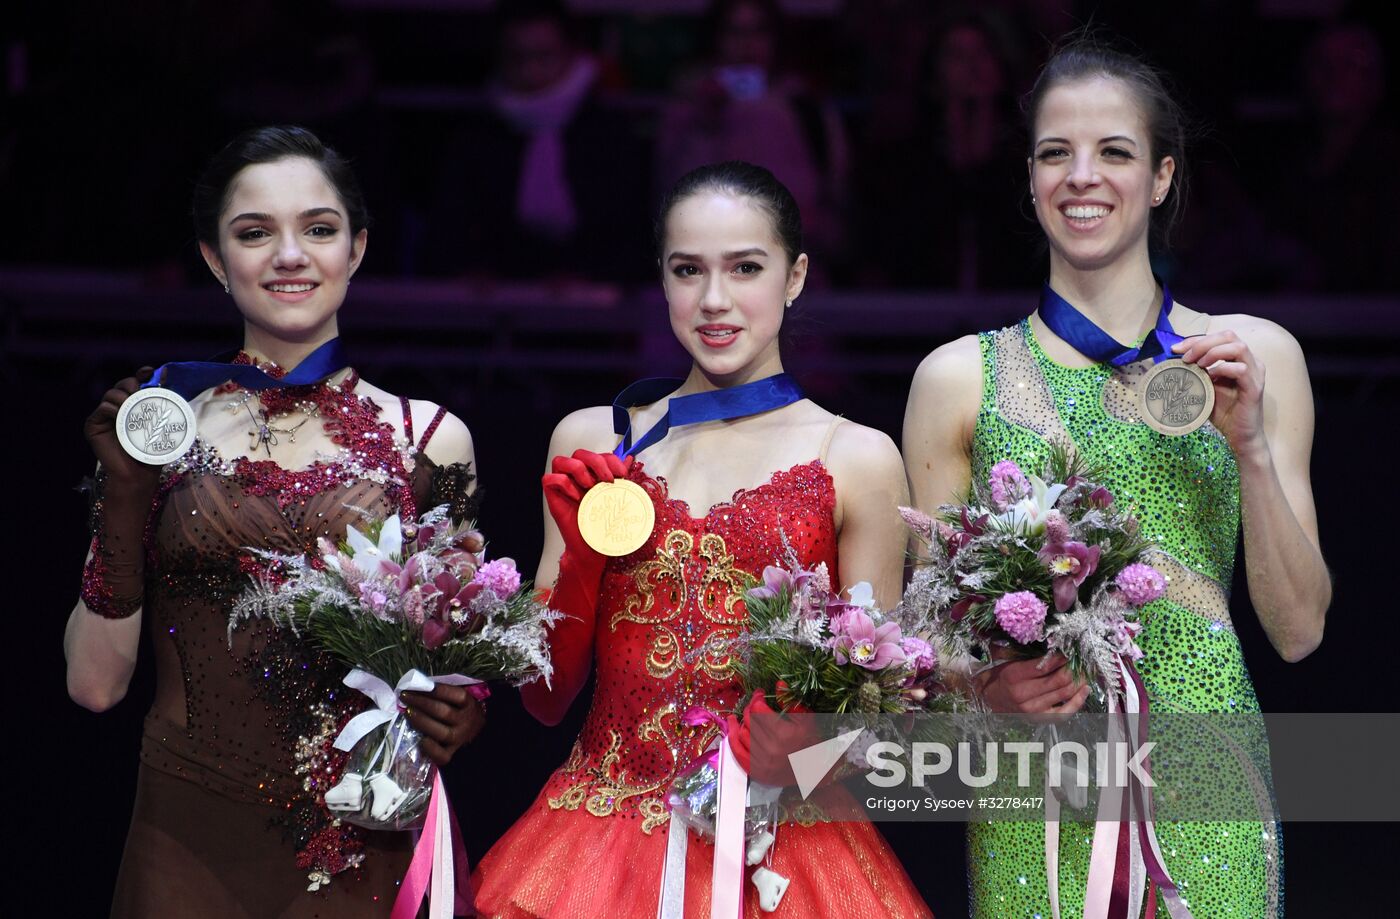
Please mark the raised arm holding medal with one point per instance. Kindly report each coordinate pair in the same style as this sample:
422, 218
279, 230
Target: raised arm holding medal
1171, 404
722, 471
290, 441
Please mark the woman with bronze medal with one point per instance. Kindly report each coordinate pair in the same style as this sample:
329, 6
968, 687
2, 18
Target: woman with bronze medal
291, 442
660, 512
1180, 424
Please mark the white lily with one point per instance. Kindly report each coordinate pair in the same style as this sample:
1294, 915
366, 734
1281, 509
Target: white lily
1027, 516
367, 555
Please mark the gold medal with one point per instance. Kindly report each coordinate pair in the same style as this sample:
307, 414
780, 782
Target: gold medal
1176, 397
616, 517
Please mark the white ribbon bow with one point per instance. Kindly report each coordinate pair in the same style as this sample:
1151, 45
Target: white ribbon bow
386, 699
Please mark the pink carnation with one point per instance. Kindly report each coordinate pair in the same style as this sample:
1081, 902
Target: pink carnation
1140, 583
499, 577
1009, 484
919, 653
1022, 615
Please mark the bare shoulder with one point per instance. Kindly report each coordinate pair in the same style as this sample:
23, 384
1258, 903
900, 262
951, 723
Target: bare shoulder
957, 363
586, 429
451, 442
860, 451
1271, 341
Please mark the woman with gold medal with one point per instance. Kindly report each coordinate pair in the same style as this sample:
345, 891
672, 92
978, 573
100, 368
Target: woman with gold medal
733, 466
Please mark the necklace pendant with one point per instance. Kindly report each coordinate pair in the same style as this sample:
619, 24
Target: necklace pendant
263, 437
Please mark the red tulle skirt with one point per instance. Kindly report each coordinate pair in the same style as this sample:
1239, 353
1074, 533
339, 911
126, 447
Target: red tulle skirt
560, 864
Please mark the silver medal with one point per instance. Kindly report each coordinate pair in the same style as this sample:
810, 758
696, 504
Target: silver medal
155, 425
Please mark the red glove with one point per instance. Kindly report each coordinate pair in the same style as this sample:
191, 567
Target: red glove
575, 591
777, 737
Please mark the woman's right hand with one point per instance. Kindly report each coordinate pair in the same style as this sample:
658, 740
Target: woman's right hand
569, 478
1044, 685
100, 429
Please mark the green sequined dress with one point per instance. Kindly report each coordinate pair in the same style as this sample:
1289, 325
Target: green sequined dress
1186, 491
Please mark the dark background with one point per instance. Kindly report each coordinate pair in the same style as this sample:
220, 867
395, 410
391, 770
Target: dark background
109, 110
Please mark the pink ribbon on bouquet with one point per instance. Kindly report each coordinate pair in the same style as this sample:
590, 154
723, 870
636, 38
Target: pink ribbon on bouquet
1117, 805
439, 866
727, 877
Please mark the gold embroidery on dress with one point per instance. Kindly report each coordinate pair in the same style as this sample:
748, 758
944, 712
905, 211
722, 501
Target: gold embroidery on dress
668, 565
722, 579
601, 789
605, 786
664, 658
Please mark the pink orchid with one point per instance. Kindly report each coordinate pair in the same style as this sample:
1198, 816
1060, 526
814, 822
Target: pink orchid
779, 580
973, 527
452, 597
857, 640
1124, 639
435, 634
1069, 563
964, 606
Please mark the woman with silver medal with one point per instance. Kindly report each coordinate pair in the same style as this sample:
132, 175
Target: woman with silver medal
292, 446
1181, 426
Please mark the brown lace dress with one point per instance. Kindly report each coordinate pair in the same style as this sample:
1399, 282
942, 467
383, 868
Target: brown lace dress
236, 754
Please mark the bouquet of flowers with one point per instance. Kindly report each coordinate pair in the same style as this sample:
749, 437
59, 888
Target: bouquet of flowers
1031, 563
812, 651
406, 606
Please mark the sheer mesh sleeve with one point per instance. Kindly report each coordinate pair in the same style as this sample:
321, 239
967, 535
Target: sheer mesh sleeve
113, 579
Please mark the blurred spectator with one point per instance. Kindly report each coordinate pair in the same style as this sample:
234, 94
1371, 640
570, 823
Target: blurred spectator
1333, 184
545, 180
943, 205
740, 106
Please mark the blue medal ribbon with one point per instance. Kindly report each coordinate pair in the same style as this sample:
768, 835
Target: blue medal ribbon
717, 405
189, 378
1083, 335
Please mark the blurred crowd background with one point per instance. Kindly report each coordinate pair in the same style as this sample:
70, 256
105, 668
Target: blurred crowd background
530, 139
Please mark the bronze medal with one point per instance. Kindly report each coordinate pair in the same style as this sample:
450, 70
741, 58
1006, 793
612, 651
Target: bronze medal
1176, 397
155, 425
616, 517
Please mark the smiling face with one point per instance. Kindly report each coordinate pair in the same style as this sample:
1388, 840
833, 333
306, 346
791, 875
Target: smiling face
285, 251
726, 277
1093, 175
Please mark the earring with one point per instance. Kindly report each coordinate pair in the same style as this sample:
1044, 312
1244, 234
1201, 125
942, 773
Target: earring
787, 305
1156, 199
226, 287
1032, 199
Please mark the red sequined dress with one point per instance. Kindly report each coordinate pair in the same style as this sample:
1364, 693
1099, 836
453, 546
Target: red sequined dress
229, 818
594, 842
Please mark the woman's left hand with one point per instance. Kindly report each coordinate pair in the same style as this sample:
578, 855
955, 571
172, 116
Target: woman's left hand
1238, 375
448, 717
